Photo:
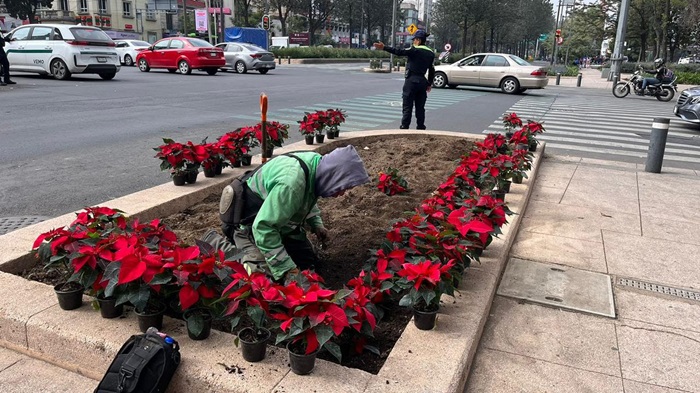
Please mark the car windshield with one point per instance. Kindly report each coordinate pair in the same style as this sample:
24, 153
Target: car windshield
199, 43
518, 60
87, 34
140, 43
253, 48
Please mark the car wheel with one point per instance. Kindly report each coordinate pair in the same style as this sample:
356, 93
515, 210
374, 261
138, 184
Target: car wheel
240, 67
621, 90
212, 71
128, 61
665, 94
510, 85
108, 76
143, 65
263, 71
184, 67
439, 80
59, 69
172, 70
452, 86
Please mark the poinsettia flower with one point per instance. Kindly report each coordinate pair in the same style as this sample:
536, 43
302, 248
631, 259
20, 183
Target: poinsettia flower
425, 271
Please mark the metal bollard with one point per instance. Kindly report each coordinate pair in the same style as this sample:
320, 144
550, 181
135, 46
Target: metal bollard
657, 145
279, 60
558, 77
578, 79
289, 60
616, 78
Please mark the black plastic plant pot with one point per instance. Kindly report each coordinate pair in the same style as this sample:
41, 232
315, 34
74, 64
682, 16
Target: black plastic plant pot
70, 295
309, 139
209, 172
319, 138
253, 350
179, 180
237, 163
192, 176
499, 194
533, 146
246, 160
218, 168
109, 308
198, 323
518, 179
504, 186
269, 151
300, 363
152, 316
424, 320
331, 135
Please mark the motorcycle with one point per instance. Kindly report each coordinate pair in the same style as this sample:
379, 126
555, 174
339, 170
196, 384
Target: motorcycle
662, 91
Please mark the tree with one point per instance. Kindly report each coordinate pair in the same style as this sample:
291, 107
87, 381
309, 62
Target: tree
25, 9
316, 12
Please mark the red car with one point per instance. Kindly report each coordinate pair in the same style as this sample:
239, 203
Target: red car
183, 54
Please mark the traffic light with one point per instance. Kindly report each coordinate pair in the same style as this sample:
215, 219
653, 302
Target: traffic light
266, 22
558, 33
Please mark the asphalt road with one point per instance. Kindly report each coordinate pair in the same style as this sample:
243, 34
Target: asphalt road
70, 144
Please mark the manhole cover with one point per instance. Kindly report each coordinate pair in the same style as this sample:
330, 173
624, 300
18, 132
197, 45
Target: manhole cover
9, 224
558, 286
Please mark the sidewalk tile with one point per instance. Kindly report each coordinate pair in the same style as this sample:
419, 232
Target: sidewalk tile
655, 183
665, 229
549, 334
660, 212
596, 176
8, 357
500, 372
654, 260
576, 222
659, 356
581, 254
620, 199
549, 169
31, 375
617, 164
552, 181
547, 194
657, 309
638, 387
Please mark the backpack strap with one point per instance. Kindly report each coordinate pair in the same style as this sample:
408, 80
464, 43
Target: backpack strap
131, 369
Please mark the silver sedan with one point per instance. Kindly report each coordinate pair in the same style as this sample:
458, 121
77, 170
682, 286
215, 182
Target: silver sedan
508, 72
243, 57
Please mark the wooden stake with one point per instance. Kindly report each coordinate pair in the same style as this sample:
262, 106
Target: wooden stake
263, 111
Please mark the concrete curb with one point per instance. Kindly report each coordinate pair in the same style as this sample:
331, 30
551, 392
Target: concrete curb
81, 341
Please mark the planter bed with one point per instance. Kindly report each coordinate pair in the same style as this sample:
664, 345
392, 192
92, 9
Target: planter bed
81, 340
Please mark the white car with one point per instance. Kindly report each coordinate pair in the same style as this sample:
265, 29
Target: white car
128, 49
62, 50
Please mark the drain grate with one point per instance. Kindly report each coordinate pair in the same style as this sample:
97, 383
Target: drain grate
9, 224
647, 286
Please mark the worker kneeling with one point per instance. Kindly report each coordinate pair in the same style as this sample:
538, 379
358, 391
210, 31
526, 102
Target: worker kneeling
264, 211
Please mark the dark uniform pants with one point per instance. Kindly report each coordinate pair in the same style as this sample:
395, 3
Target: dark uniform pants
5, 64
297, 246
414, 92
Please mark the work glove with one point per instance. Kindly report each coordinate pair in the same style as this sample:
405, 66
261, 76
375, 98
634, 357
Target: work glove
321, 233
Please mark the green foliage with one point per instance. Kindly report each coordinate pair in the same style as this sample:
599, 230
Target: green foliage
565, 71
688, 78
25, 9
319, 52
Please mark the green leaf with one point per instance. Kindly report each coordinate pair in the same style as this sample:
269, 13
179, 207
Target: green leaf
140, 298
111, 275
161, 278
373, 349
386, 285
334, 349
406, 301
257, 314
323, 334
195, 323
234, 321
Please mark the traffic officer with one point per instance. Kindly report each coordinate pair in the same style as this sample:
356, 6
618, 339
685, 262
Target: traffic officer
5, 64
416, 86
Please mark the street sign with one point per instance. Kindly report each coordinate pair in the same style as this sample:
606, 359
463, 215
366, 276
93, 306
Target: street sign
448, 47
543, 37
412, 28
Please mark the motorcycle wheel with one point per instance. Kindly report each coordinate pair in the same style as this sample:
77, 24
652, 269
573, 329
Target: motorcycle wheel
621, 90
665, 95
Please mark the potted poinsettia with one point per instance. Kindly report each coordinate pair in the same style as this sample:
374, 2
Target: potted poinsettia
510, 122
534, 128
173, 158
426, 280
214, 161
335, 117
277, 133
391, 183
308, 317
312, 124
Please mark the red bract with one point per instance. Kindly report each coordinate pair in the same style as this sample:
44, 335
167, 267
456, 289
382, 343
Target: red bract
391, 183
276, 132
422, 271
511, 120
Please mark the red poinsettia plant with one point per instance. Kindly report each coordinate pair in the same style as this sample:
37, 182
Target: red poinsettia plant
313, 123
426, 280
335, 117
310, 315
235, 144
391, 183
277, 133
178, 157
511, 121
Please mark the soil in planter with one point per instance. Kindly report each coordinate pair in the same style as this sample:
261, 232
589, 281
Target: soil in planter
357, 222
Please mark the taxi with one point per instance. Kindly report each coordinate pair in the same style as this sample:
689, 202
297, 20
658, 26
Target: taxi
62, 50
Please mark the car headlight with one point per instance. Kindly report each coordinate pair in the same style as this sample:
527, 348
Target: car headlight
694, 100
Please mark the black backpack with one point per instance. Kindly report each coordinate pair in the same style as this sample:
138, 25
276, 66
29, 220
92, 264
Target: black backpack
145, 364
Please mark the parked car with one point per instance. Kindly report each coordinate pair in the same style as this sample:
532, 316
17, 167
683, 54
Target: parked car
688, 105
128, 49
510, 73
688, 60
244, 57
181, 54
62, 50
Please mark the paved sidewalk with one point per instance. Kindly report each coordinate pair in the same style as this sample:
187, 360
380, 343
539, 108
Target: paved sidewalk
21, 374
590, 78
616, 219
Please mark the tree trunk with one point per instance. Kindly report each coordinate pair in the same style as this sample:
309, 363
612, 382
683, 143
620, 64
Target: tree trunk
464, 37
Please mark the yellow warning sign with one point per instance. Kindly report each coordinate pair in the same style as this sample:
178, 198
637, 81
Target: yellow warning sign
412, 28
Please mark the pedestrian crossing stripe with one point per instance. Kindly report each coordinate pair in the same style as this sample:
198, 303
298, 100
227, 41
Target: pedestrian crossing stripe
367, 112
577, 124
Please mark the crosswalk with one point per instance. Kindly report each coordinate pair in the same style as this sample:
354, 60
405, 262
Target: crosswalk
604, 126
367, 112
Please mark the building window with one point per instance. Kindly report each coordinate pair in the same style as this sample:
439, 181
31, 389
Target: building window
102, 4
84, 6
64, 5
126, 6
150, 13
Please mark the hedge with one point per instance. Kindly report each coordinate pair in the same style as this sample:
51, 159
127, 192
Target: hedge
319, 52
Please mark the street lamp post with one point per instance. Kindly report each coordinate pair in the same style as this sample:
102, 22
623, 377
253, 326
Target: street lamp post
393, 36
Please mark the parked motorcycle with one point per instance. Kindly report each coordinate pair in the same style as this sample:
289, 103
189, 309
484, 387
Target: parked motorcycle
662, 91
